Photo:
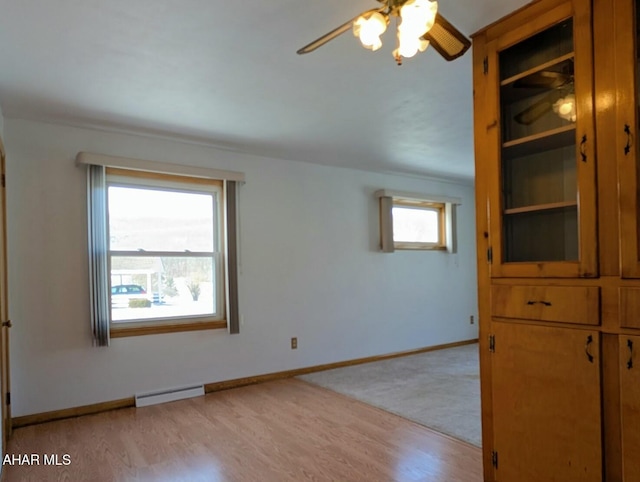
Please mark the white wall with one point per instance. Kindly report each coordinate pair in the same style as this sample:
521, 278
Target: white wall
310, 268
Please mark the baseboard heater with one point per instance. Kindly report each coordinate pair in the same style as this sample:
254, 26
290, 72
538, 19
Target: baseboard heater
169, 395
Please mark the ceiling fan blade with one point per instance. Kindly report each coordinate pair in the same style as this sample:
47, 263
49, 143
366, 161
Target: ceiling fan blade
336, 32
537, 109
544, 79
446, 39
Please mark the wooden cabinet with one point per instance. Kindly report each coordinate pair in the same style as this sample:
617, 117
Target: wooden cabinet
557, 147
625, 49
540, 154
531, 366
630, 405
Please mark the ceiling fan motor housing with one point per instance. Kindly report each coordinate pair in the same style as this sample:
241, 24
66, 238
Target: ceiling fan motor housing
394, 5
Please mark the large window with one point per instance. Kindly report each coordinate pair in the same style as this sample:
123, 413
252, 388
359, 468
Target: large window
162, 247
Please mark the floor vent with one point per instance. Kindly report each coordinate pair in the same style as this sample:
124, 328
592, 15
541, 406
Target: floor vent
170, 395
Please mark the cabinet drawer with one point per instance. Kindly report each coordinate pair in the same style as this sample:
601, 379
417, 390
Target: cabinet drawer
630, 307
567, 304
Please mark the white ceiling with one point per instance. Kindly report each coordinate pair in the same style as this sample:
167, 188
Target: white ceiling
227, 73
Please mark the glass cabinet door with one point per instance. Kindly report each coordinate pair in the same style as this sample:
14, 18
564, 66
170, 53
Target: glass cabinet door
627, 147
545, 195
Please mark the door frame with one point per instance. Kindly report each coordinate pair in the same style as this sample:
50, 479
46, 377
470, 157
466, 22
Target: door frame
5, 400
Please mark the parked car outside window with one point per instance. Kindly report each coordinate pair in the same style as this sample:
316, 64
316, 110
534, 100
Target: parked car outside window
121, 295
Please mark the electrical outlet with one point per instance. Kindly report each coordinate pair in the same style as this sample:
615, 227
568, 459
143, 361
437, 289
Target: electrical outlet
294, 343
471, 320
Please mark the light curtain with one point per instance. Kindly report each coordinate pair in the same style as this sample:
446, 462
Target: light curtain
98, 266
231, 203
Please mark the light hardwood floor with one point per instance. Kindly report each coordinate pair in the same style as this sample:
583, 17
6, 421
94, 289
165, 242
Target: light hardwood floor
286, 430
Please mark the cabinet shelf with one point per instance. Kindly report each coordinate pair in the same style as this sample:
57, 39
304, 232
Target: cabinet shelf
541, 207
538, 68
527, 84
544, 141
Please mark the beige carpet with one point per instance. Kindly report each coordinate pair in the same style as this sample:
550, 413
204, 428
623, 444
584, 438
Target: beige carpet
438, 389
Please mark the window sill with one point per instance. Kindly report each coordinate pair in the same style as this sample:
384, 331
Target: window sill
419, 247
124, 331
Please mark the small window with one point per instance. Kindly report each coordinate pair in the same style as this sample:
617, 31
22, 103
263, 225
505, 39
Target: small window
418, 225
417, 221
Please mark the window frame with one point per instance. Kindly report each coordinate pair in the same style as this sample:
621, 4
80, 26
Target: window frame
175, 183
424, 205
447, 206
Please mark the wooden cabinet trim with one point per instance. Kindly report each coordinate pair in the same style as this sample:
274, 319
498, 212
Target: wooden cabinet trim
482, 236
535, 25
516, 18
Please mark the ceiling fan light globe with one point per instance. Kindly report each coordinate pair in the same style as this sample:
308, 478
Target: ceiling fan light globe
411, 29
408, 46
423, 45
368, 30
371, 42
357, 26
419, 14
429, 24
376, 24
569, 106
566, 107
373, 45
407, 53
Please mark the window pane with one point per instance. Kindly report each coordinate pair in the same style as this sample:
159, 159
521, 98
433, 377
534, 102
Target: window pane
160, 220
415, 225
162, 287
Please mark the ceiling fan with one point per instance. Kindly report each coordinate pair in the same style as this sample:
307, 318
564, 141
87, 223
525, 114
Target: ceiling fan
560, 96
419, 25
